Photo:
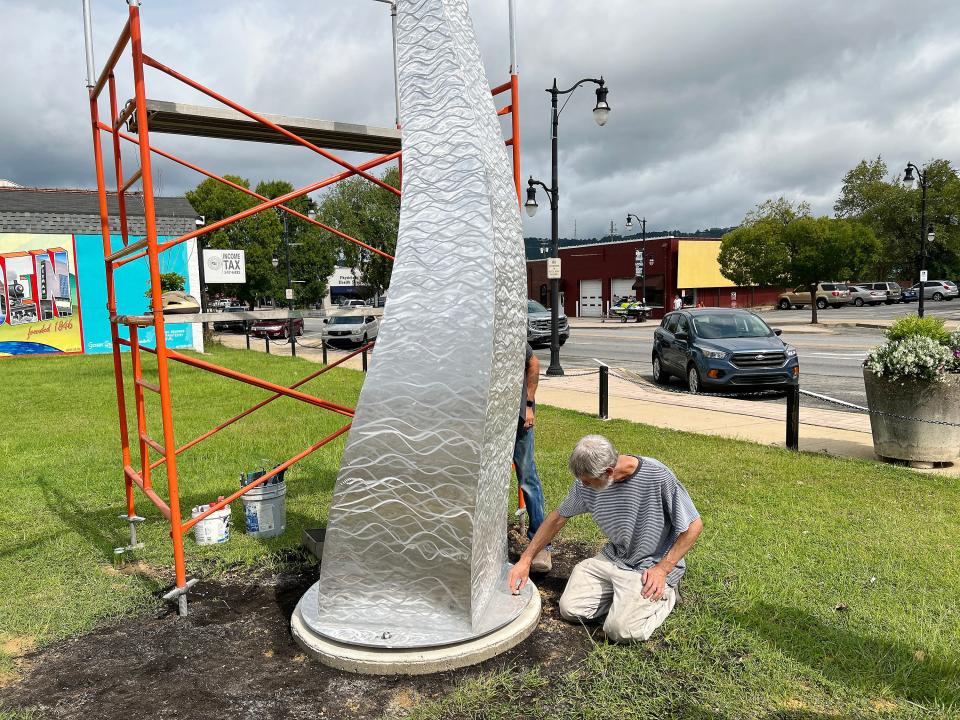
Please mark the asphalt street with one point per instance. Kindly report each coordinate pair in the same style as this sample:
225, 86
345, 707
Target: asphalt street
830, 362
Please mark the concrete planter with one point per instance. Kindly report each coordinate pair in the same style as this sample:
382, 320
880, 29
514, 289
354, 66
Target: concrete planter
913, 441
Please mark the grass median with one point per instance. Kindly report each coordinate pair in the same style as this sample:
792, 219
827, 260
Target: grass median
820, 587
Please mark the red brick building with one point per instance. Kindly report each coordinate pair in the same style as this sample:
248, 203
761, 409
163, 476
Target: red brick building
593, 275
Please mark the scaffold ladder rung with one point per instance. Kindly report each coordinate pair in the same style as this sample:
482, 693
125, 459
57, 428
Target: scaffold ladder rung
133, 178
148, 385
154, 444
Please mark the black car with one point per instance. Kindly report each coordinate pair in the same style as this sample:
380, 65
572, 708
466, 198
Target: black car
721, 348
231, 325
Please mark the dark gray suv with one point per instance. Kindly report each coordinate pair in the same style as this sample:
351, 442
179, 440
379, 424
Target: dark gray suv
722, 348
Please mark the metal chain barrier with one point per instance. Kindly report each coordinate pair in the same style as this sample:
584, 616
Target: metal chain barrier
569, 375
677, 391
860, 408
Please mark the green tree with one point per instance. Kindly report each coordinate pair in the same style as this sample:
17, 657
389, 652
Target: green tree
369, 213
258, 236
782, 244
879, 200
168, 281
312, 253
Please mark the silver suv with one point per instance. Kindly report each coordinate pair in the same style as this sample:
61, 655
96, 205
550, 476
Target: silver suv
938, 290
538, 324
349, 328
892, 290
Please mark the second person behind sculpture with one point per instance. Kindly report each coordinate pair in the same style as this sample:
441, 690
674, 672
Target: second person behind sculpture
527, 476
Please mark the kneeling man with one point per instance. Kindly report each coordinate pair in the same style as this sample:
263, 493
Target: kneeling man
650, 523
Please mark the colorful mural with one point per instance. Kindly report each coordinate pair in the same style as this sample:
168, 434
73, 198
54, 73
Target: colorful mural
42, 309
39, 295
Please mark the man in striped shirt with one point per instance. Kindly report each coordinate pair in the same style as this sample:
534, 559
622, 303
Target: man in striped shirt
650, 523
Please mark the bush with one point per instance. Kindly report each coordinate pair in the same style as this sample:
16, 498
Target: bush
912, 326
915, 358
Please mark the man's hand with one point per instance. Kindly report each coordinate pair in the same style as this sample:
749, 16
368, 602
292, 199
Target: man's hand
518, 575
528, 421
654, 582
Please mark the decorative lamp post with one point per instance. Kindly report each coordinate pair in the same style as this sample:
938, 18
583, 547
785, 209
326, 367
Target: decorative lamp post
289, 291
925, 233
601, 113
643, 255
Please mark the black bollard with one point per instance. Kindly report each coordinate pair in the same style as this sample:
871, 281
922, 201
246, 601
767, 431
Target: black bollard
604, 392
793, 417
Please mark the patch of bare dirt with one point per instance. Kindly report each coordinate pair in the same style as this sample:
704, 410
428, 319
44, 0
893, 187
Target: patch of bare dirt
233, 656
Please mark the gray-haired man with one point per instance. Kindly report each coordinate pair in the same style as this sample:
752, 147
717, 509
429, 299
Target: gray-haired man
650, 523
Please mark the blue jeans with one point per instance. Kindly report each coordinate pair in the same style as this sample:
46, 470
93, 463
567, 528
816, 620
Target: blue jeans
528, 478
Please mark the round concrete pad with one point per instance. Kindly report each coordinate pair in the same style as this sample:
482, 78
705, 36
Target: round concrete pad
416, 661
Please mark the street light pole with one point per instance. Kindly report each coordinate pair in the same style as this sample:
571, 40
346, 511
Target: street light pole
643, 254
200, 221
289, 293
600, 114
924, 231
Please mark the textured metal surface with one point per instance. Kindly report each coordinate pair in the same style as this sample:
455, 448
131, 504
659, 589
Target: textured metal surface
415, 550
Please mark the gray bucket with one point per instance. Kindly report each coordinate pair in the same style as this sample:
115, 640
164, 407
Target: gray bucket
265, 506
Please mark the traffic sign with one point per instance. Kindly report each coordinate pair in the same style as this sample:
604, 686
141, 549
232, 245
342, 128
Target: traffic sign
553, 268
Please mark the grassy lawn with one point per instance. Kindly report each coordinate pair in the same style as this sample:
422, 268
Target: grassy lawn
819, 588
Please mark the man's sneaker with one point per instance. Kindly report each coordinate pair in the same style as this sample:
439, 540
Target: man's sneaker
542, 562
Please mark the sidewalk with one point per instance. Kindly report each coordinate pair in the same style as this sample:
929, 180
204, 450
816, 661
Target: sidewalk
833, 432
842, 434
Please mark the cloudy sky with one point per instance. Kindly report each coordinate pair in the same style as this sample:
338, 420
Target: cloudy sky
717, 104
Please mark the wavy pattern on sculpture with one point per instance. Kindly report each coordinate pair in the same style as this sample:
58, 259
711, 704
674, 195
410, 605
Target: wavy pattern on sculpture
416, 545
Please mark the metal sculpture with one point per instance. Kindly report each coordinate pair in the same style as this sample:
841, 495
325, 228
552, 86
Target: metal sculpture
415, 550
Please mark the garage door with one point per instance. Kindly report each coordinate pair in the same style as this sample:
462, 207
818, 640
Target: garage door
622, 288
591, 298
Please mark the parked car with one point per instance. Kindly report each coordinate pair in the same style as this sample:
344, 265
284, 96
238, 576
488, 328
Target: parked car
722, 348
354, 304
861, 295
349, 329
539, 325
892, 290
231, 325
835, 295
938, 290
279, 328
909, 295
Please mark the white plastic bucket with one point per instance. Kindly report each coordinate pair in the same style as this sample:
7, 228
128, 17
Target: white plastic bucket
265, 510
213, 529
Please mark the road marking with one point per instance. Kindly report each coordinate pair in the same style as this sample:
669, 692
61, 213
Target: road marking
854, 356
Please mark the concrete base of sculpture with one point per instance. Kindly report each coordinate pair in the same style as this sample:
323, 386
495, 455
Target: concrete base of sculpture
411, 661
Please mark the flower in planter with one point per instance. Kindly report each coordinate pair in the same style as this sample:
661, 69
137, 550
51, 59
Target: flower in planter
916, 349
914, 358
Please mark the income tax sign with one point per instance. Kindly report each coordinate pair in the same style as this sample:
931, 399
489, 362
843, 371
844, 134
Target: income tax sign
224, 266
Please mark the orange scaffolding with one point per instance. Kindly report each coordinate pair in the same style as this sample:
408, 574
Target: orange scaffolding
166, 449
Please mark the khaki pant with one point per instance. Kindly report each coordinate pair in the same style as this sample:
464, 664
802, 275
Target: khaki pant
597, 586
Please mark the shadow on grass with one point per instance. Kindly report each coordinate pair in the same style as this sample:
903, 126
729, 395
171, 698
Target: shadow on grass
849, 658
98, 527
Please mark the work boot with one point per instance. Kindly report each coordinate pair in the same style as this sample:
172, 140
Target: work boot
542, 562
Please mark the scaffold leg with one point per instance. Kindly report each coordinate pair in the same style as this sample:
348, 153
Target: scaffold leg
180, 595
134, 520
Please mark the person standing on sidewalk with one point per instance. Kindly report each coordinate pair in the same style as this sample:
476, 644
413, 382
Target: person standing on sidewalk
650, 522
527, 477
678, 302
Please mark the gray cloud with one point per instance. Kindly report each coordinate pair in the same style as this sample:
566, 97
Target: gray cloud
716, 105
